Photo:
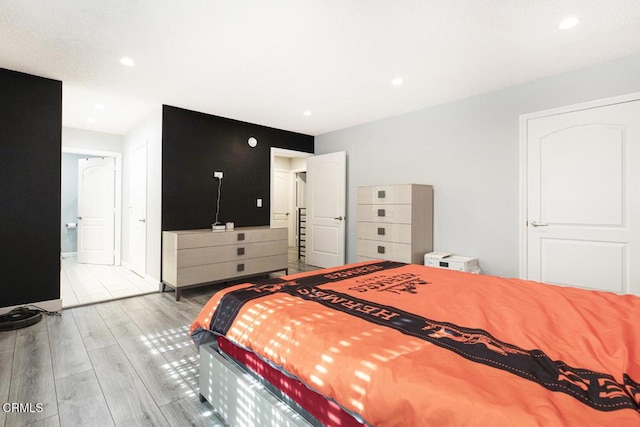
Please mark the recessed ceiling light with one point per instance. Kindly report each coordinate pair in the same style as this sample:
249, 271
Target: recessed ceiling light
91, 120
569, 22
99, 107
397, 81
307, 113
127, 61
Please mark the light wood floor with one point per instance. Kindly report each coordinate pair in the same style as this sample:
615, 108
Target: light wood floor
128, 362
82, 284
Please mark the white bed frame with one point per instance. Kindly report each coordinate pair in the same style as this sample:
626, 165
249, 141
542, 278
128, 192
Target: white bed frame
240, 399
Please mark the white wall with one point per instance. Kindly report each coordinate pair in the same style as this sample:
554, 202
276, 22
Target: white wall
299, 164
149, 131
469, 151
86, 139
283, 163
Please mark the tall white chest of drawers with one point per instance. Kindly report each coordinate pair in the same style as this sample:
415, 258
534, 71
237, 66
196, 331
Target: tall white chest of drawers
395, 222
193, 258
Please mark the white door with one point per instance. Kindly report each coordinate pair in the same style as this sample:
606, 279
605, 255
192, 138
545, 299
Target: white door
326, 209
281, 211
138, 210
583, 225
96, 210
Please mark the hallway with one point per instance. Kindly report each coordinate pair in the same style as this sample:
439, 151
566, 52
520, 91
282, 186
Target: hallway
88, 283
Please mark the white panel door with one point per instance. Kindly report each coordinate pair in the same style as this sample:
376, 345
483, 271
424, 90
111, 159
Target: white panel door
138, 210
326, 199
583, 225
96, 210
281, 205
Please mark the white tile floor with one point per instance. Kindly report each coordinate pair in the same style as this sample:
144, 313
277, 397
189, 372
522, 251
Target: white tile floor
88, 283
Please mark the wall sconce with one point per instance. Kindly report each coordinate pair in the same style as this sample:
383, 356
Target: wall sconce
252, 142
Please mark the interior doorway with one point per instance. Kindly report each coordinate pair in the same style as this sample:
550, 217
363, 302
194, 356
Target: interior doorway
69, 201
88, 282
288, 180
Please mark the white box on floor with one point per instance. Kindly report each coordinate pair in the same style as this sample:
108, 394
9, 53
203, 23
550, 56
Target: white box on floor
452, 262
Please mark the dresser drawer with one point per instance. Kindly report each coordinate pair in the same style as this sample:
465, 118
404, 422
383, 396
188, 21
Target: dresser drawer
385, 213
385, 194
400, 233
206, 238
217, 254
229, 270
400, 252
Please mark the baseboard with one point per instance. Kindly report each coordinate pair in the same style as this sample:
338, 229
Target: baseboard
68, 254
152, 280
146, 277
51, 305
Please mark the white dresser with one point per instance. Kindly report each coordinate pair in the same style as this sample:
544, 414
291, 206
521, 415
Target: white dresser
395, 222
197, 257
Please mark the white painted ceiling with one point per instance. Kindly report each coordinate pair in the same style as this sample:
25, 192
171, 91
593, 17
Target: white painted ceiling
267, 61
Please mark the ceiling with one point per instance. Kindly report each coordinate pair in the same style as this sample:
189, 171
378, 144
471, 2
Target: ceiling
267, 62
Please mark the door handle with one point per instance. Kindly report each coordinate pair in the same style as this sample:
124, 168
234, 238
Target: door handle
538, 224
142, 220
339, 218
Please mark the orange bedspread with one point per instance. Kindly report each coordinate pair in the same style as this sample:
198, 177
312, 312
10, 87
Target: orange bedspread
408, 345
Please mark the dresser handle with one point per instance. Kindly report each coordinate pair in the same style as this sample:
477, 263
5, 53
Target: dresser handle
381, 212
381, 231
380, 249
381, 194
240, 251
240, 236
240, 267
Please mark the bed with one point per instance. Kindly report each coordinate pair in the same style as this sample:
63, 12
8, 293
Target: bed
391, 344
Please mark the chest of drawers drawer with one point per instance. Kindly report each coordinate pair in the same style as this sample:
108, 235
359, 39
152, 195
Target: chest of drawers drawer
392, 251
206, 238
385, 194
228, 270
385, 213
400, 233
217, 254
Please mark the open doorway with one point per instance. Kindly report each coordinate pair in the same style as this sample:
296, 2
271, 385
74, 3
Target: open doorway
73, 162
90, 242
288, 205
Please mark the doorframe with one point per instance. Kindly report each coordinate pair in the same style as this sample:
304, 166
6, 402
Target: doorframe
291, 201
118, 193
281, 152
296, 183
523, 145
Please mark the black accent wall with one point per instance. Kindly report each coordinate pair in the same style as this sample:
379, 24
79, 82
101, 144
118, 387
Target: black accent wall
194, 145
30, 152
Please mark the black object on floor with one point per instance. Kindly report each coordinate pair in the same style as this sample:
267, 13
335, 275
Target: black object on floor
18, 318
